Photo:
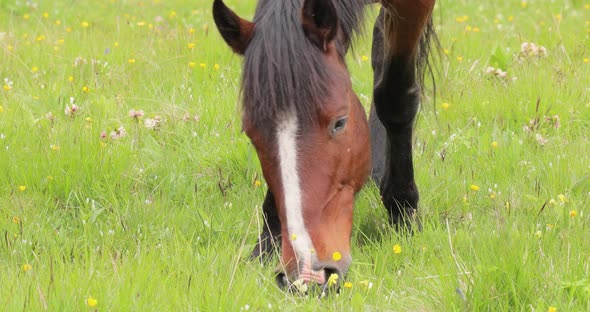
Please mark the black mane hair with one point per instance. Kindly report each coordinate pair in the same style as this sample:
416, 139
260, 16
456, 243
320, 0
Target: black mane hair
283, 71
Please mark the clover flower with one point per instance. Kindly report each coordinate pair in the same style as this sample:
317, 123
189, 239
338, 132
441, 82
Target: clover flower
118, 133
136, 114
153, 123
529, 50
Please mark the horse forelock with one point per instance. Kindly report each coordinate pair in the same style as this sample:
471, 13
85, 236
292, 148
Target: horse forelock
283, 71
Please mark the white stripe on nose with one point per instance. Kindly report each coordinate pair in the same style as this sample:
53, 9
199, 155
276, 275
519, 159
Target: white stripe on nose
287, 143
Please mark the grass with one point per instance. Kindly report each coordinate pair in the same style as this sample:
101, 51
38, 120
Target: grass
164, 219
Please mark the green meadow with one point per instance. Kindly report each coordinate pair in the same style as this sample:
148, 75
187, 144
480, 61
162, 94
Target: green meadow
126, 183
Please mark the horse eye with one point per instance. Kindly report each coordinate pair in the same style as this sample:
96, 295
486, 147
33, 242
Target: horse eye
339, 125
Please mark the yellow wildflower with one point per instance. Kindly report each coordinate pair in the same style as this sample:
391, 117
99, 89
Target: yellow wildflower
131, 61
26, 16
70, 78
85, 24
561, 198
45, 15
495, 144
552, 309
293, 237
257, 183
216, 66
336, 256
573, 214
524, 4
91, 302
397, 249
474, 187
203, 65
1, 109
192, 64
586, 60
364, 58
459, 58
538, 234
26, 267
85, 89
22, 188
333, 279
40, 38
34, 69
347, 285
15, 220
191, 45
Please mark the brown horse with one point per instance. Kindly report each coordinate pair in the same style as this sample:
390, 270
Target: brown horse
310, 130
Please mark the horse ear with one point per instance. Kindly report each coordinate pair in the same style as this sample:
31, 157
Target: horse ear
320, 22
235, 30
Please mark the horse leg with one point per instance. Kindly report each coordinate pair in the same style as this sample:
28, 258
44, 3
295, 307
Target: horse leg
269, 240
396, 99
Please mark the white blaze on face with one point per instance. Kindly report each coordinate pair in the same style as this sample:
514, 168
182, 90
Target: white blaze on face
287, 144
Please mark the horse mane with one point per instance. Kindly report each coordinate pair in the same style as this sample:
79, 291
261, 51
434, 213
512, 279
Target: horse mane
283, 71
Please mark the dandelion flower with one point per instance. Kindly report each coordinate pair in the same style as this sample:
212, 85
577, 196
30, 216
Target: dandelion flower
203, 65
216, 66
22, 188
446, 105
336, 256
333, 279
85, 89
364, 58
347, 285
27, 267
552, 309
91, 302
131, 61
474, 187
573, 214
257, 183
191, 45
397, 249
85, 24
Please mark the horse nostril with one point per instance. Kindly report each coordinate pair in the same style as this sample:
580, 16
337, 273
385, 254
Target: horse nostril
282, 281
